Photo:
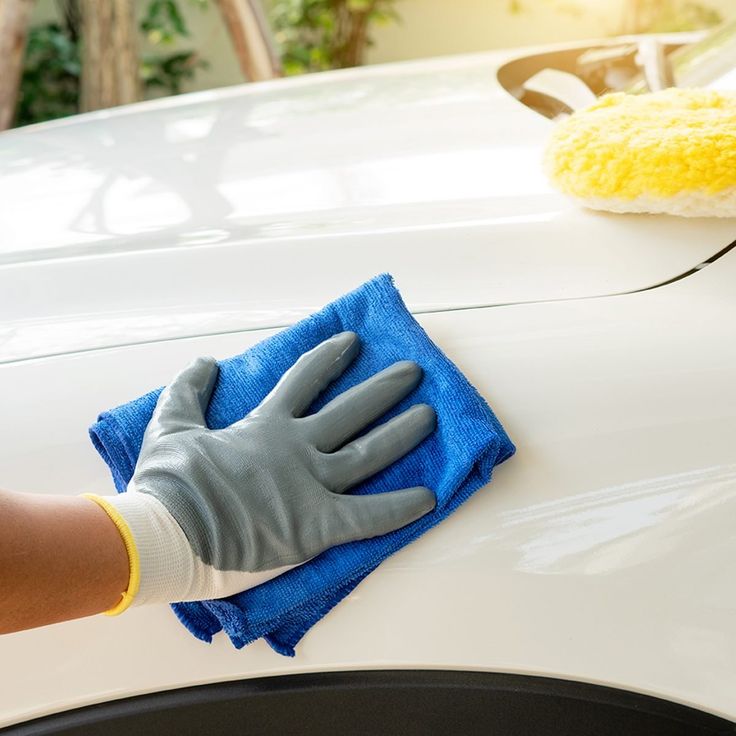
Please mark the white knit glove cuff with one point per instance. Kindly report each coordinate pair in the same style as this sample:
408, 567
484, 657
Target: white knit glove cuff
170, 571
166, 562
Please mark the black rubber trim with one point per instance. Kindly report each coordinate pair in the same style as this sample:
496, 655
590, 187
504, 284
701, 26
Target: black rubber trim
400, 702
708, 261
699, 267
695, 269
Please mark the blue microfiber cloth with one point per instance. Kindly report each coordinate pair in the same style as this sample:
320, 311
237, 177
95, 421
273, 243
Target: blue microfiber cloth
456, 460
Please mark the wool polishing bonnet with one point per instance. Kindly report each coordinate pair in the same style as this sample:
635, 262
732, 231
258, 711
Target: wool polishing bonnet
670, 152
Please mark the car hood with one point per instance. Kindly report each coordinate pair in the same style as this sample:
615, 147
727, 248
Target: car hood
250, 207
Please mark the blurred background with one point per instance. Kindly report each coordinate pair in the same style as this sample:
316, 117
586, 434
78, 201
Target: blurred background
60, 57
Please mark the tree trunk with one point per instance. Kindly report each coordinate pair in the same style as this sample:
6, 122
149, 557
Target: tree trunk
358, 38
251, 37
110, 55
14, 15
351, 36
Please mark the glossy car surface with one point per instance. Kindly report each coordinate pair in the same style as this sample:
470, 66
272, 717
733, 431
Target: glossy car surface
136, 239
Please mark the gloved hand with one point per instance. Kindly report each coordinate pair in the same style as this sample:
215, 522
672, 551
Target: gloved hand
210, 513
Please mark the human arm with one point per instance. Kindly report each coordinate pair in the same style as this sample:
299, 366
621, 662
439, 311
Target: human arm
209, 513
61, 557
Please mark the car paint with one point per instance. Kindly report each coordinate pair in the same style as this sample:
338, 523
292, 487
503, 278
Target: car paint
240, 209
601, 552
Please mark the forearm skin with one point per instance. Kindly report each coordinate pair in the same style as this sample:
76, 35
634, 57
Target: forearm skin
61, 557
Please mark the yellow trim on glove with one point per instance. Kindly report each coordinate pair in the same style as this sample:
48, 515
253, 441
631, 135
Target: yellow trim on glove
130, 548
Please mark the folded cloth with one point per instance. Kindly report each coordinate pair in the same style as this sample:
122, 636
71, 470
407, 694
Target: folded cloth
455, 461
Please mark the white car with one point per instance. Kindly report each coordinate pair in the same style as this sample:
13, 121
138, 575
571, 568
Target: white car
588, 589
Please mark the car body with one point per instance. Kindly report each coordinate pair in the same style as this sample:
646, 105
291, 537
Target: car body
136, 239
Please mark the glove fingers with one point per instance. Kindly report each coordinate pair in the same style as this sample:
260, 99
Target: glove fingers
362, 517
313, 372
183, 403
353, 410
378, 449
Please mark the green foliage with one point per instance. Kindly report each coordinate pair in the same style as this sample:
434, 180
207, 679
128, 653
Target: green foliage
163, 22
163, 25
168, 72
672, 16
315, 35
49, 86
641, 16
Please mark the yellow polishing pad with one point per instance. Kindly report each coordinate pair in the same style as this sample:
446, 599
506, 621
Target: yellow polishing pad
672, 151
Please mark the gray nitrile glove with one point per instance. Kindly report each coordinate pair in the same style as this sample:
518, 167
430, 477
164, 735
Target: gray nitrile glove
213, 512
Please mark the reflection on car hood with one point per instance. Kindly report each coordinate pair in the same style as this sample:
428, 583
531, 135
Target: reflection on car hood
251, 206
